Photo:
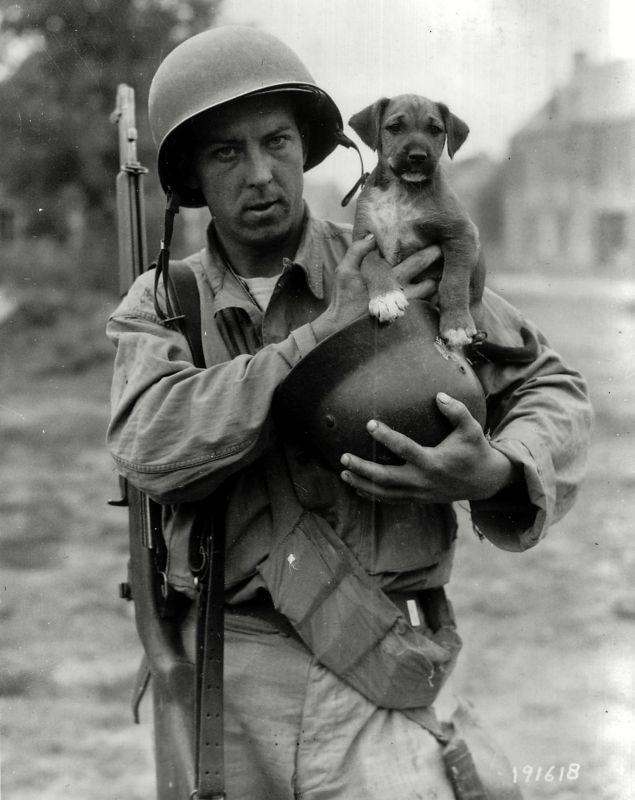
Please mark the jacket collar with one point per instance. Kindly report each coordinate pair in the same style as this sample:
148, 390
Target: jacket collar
228, 290
309, 256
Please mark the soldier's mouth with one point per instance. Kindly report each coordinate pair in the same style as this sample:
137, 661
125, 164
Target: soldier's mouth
263, 206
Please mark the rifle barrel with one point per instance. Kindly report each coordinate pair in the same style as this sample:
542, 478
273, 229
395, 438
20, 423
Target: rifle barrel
133, 247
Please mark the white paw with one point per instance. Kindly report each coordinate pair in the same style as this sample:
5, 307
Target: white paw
457, 337
387, 307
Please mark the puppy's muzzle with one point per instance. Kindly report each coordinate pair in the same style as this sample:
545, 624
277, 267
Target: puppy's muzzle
417, 160
413, 165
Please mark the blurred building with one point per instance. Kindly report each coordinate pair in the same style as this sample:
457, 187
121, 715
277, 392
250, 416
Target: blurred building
570, 178
325, 200
8, 217
478, 182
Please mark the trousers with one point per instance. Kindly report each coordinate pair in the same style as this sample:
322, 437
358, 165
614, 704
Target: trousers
295, 731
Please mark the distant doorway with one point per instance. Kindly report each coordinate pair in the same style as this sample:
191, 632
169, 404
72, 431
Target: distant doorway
610, 237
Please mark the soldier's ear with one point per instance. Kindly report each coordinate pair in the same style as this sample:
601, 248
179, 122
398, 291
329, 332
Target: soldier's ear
367, 122
456, 130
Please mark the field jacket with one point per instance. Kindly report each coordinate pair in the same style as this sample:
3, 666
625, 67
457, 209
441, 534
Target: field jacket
177, 432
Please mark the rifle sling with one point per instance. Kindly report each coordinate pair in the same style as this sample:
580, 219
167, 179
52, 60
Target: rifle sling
210, 634
187, 304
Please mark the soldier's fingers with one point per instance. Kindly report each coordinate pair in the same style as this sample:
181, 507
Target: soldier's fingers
417, 263
375, 474
355, 254
458, 414
424, 290
401, 445
370, 490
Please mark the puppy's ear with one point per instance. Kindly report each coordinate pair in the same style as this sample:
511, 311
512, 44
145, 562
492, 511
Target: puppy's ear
367, 122
456, 130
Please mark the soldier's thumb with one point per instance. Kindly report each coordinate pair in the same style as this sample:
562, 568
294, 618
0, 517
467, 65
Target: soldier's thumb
356, 252
454, 410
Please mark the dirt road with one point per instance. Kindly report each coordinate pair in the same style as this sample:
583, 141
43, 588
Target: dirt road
550, 634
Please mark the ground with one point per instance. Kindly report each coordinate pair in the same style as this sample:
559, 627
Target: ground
549, 634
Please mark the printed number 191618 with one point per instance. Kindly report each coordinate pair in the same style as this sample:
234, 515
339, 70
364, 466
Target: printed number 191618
528, 773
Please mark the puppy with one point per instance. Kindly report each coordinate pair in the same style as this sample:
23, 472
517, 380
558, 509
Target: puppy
407, 204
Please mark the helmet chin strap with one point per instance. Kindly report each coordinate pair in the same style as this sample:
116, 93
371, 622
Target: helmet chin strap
343, 139
168, 315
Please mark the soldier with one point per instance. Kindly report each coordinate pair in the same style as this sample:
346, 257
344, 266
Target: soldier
337, 633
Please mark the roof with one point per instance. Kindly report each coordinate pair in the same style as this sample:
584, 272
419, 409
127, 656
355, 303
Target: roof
596, 93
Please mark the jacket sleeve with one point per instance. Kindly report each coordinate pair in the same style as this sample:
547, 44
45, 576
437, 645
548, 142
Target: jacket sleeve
539, 416
177, 431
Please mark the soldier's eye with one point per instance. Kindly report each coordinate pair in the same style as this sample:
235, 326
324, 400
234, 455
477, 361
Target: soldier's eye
225, 153
278, 141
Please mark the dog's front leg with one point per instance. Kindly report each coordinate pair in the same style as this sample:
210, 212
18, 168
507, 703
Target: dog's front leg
387, 300
460, 257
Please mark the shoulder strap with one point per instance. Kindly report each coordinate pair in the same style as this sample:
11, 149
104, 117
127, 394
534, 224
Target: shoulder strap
187, 304
209, 689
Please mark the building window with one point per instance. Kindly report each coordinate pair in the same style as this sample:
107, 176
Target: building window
597, 157
563, 222
611, 234
530, 234
7, 224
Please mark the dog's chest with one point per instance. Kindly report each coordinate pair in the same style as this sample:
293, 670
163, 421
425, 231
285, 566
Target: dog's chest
390, 215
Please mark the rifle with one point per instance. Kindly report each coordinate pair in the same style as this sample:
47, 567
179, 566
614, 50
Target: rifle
172, 673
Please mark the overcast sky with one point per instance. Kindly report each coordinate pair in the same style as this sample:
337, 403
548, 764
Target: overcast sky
494, 62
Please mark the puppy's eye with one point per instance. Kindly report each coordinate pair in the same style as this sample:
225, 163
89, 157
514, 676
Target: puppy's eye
394, 127
435, 130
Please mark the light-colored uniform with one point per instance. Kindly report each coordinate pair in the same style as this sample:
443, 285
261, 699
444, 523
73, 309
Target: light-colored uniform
178, 432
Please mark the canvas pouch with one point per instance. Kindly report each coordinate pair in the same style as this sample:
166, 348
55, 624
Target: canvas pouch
338, 610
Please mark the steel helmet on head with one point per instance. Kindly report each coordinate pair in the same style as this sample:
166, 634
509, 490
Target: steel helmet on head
224, 64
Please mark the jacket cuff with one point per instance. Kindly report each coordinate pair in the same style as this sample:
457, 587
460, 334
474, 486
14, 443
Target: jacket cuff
518, 516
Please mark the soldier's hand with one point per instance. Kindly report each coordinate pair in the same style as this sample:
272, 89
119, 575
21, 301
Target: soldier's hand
464, 466
413, 267
349, 297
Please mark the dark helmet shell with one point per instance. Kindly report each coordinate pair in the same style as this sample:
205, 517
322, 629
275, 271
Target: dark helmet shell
221, 65
370, 371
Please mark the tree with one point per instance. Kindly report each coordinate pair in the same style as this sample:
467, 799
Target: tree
54, 108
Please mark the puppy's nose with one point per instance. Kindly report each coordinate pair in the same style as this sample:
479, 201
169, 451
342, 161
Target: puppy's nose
417, 158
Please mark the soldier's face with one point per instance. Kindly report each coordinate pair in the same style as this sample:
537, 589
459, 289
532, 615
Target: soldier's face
248, 163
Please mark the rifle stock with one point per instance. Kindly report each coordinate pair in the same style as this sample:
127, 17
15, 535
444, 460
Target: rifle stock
173, 674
